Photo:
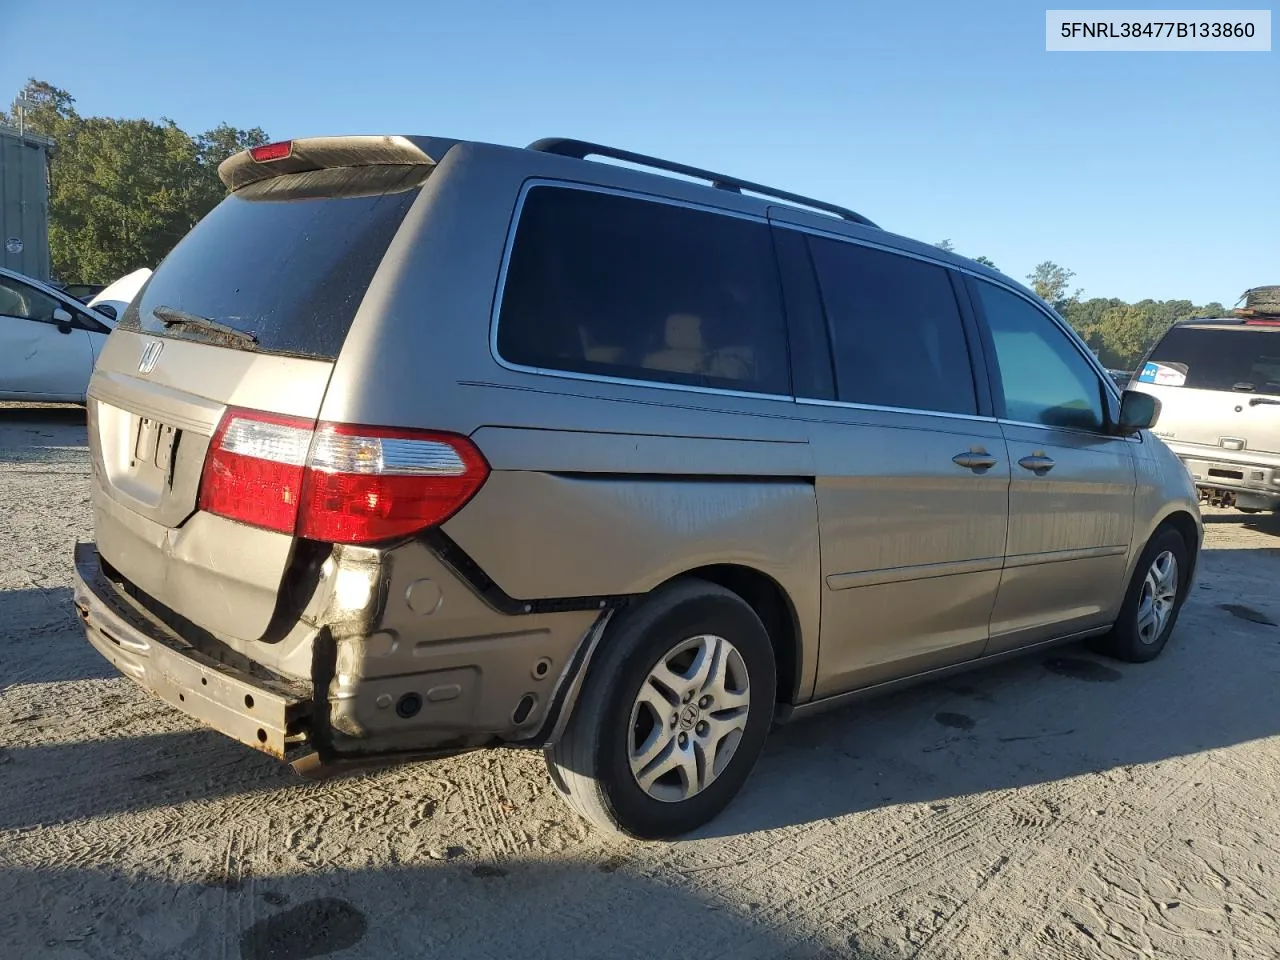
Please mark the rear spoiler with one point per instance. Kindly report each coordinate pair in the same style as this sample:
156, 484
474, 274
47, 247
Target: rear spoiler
318, 153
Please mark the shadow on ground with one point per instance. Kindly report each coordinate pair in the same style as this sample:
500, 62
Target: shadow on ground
1045, 718
43, 439
41, 640
35, 414
535, 909
1260, 522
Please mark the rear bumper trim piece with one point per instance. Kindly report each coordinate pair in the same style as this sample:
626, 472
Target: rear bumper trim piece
231, 701
1237, 475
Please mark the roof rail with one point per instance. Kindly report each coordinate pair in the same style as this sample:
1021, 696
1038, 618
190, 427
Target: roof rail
581, 149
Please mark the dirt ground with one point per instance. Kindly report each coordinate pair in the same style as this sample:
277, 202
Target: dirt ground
1058, 806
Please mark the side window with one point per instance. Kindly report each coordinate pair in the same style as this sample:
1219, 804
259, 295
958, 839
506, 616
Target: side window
623, 287
1046, 378
896, 333
19, 300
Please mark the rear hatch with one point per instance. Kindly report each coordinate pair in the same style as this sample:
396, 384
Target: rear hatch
1219, 387
203, 405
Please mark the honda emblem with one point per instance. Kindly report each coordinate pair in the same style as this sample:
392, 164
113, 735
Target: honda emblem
150, 354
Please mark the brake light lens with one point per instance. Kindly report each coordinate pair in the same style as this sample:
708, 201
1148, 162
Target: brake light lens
365, 484
254, 469
272, 151
338, 483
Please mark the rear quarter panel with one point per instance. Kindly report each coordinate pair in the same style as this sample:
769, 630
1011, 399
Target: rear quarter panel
598, 488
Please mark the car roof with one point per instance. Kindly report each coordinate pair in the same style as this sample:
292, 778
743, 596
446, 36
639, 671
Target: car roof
664, 178
779, 205
1271, 322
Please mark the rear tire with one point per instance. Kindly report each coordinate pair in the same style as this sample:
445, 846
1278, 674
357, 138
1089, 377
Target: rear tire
680, 697
1154, 599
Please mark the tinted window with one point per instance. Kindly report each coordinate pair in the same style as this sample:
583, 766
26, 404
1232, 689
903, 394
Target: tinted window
288, 259
1045, 377
630, 288
896, 332
19, 300
1244, 359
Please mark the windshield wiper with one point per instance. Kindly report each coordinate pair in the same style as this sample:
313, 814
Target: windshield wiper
173, 317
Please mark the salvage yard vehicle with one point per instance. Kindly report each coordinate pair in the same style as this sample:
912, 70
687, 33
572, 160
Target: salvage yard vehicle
414, 445
49, 341
1218, 382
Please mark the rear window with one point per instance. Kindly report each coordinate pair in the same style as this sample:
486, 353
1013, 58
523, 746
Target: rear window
1243, 359
287, 260
622, 287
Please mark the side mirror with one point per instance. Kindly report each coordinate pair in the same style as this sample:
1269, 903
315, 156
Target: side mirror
107, 310
63, 319
1138, 411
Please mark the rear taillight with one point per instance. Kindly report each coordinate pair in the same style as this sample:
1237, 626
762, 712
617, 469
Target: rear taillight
254, 469
336, 482
272, 151
365, 484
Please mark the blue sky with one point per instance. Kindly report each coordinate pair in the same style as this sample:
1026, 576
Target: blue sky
1150, 175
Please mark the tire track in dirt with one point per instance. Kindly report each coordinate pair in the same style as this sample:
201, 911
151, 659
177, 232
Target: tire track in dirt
873, 832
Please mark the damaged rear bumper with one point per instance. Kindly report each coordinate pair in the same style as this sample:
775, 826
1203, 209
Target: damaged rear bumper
265, 713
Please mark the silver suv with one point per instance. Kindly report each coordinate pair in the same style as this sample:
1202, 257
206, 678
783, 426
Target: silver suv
414, 446
1218, 382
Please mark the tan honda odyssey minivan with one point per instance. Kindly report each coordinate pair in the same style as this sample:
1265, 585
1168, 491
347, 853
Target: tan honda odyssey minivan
415, 445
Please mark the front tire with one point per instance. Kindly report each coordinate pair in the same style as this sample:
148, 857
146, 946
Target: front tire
673, 715
1154, 599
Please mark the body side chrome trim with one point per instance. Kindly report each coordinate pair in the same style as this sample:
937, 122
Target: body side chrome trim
924, 571
876, 408
1062, 556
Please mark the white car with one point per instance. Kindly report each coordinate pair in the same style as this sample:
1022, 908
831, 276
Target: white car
49, 341
113, 298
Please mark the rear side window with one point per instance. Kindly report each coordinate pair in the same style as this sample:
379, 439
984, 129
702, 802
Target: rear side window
1045, 379
1239, 358
287, 260
623, 287
896, 333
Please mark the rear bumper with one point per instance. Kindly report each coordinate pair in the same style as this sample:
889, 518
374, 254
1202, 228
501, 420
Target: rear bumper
1260, 481
257, 712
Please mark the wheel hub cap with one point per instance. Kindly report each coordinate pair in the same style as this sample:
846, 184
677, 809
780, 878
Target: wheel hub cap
1159, 594
688, 718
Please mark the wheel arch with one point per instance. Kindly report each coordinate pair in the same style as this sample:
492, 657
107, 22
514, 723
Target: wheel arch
771, 603
1187, 527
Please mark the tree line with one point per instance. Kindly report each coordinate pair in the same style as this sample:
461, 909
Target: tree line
123, 192
1117, 331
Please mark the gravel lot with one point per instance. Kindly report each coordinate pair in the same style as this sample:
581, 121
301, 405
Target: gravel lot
1058, 806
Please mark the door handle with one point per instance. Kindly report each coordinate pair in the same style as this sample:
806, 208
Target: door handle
1037, 463
975, 459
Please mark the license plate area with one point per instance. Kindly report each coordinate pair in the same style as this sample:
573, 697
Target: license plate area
151, 460
146, 463
1226, 473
